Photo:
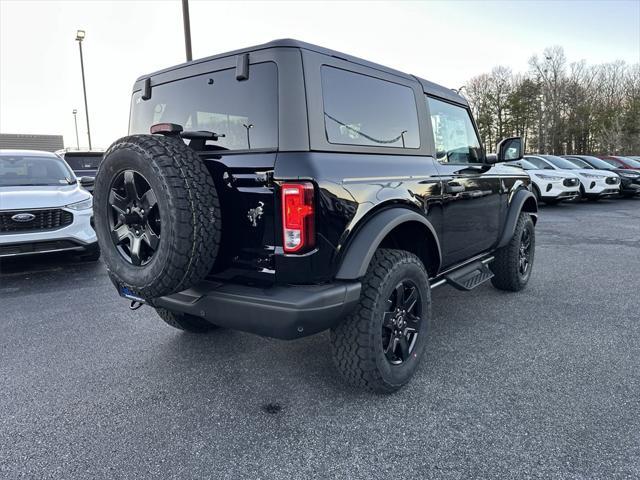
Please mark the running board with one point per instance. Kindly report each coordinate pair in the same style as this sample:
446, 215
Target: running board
469, 276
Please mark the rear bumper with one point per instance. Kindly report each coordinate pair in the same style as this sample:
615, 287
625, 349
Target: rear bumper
285, 312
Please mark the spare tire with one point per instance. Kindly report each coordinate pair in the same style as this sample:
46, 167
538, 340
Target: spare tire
157, 215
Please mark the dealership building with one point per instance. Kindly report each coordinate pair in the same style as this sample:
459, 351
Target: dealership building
48, 143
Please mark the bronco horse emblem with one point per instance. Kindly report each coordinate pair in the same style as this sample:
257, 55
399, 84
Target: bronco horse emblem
255, 214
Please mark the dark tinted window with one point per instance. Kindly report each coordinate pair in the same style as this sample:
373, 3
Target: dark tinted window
362, 110
82, 162
455, 138
246, 112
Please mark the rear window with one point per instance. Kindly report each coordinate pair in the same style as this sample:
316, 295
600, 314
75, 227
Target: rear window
246, 111
362, 110
82, 162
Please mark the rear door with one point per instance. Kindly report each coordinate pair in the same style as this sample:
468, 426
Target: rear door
472, 189
244, 111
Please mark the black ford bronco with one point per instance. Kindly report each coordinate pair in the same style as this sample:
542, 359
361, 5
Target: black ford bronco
286, 189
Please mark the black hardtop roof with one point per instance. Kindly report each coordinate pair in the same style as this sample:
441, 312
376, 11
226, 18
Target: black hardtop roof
429, 87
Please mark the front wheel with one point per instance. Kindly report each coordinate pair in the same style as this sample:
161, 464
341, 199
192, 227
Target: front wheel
514, 262
380, 344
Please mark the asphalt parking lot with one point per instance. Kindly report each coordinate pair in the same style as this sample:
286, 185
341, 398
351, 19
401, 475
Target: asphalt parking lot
541, 384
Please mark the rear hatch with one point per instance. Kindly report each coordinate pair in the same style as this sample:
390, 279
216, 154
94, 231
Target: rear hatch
83, 163
241, 162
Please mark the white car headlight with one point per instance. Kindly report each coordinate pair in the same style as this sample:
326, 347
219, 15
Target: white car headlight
589, 175
81, 205
549, 177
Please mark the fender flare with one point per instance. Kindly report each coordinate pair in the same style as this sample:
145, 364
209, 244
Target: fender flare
361, 249
515, 207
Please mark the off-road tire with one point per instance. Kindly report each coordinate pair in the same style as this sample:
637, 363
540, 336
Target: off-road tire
186, 322
188, 207
356, 343
505, 267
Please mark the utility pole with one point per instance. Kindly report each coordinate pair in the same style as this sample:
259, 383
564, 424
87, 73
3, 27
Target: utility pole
187, 29
75, 120
79, 38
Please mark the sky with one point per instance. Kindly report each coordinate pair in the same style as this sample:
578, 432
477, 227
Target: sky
447, 42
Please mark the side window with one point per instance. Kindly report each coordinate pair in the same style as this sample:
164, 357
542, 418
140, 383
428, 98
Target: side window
455, 138
362, 110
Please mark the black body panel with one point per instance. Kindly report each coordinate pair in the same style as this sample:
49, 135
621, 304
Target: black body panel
366, 196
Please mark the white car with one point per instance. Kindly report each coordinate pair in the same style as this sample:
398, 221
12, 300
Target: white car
594, 184
550, 185
43, 207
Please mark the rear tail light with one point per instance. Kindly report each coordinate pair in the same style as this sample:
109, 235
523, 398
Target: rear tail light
298, 222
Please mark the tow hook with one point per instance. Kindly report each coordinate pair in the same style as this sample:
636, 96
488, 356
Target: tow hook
135, 305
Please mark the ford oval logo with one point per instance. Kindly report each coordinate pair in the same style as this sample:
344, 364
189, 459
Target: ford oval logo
23, 217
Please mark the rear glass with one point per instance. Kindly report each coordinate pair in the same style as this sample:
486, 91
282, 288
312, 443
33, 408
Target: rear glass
362, 110
82, 162
245, 112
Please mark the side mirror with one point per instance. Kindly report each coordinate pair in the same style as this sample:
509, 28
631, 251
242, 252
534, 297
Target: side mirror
509, 149
87, 182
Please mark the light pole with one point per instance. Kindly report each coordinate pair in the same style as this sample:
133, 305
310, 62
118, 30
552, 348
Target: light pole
187, 29
75, 120
80, 34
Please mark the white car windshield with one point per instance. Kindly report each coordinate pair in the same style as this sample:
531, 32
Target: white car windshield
26, 171
560, 162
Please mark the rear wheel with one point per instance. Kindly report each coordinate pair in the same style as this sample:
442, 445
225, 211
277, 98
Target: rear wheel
379, 346
513, 262
186, 322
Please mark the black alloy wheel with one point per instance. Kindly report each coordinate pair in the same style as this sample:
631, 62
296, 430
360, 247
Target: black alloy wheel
401, 323
524, 252
134, 217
